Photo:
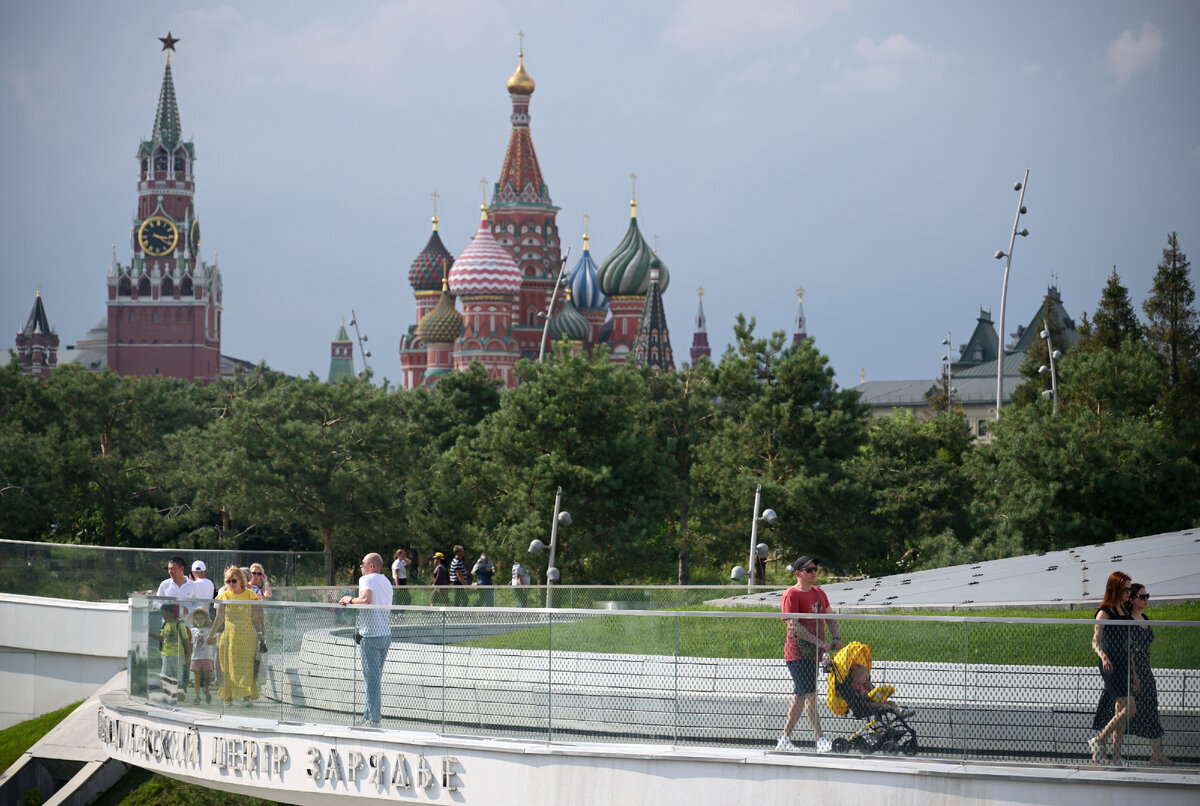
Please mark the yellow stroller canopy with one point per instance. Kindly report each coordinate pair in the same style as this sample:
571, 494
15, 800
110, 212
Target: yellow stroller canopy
853, 653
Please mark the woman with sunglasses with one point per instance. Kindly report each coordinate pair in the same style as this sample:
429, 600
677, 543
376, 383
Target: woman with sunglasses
1145, 722
1111, 645
242, 617
258, 579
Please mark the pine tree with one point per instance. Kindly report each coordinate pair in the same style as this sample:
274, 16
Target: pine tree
1115, 319
1174, 333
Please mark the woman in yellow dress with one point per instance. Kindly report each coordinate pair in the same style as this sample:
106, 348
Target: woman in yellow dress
242, 619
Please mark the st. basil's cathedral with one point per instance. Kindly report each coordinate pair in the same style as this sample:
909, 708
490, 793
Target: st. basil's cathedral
508, 273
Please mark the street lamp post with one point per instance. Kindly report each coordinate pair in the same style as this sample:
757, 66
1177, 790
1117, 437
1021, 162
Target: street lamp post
757, 550
537, 546
1053, 368
562, 272
1004, 289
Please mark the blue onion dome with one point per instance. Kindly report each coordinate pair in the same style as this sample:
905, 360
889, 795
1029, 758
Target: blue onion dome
426, 271
444, 323
626, 272
585, 285
569, 323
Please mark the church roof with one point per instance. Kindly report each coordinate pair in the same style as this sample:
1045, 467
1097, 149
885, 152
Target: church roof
425, 274
626, 272
444, 323
521, 181
485, 268
37, 322
569, 323
585, 284
652, 345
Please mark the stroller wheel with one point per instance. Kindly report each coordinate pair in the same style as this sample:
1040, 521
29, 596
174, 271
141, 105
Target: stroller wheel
889, 746
840, 745
909, 746
860, 744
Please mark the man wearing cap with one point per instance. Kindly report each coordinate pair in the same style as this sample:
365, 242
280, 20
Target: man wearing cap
806, 640
203, 585
441, 578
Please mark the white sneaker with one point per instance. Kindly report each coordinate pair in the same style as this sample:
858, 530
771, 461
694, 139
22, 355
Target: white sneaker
824, 744
785, 744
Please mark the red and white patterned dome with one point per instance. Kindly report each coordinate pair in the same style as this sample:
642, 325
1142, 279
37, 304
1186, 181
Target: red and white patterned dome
485, 268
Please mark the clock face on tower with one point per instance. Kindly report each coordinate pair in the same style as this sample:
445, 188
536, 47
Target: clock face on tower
158, 236
194, 238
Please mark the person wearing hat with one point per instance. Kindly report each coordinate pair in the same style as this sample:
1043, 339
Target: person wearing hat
806, 639
204, 587
441, 578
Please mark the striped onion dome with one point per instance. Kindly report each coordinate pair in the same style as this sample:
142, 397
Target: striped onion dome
626, 272
569, 323
425, 274
485, 268
443, 324
584, 285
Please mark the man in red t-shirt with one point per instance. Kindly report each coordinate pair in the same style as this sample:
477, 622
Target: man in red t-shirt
806, 639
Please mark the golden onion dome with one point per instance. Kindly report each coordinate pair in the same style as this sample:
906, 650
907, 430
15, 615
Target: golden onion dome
520, 83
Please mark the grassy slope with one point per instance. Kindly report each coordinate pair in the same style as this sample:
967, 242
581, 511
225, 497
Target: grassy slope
20, 737
939, 642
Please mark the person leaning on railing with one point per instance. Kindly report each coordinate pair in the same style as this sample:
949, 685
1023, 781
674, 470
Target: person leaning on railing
1111, 645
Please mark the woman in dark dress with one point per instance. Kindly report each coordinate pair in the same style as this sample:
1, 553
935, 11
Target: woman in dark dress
1111, 645
1145, 721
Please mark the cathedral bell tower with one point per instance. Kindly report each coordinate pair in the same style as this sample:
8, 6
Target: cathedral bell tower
164, 308
523, 217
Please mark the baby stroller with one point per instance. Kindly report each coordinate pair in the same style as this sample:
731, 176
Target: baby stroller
885, 730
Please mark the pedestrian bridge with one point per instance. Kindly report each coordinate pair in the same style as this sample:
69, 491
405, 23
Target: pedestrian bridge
581, 705
629, 696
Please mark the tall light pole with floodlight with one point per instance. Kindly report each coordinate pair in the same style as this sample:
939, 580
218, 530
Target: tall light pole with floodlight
757, 550
1004, 288
537, 547
1053, 368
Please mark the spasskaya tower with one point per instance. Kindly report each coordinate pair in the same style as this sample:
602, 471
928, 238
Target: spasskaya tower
164, 308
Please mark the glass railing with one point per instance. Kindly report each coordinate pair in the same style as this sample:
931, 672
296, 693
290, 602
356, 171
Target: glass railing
981, 689
101, 573
570, 597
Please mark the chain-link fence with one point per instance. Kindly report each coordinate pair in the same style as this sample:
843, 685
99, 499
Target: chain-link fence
101, 573
1027, 690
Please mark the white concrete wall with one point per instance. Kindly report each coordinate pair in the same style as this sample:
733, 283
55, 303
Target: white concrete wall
54, 652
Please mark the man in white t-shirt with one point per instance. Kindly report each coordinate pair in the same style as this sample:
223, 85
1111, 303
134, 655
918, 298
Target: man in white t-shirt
203, 585
376, 630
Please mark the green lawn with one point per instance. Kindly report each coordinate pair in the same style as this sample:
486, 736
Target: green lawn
20, 737
142, 788
924, 641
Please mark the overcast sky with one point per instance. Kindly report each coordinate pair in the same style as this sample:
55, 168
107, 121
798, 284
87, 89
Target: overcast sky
864, 151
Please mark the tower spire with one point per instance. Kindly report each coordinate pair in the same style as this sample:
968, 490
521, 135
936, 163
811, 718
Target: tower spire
801, 329
166, 119
700, 337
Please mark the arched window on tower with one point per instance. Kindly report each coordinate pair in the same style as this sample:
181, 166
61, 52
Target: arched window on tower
124, 287
178, 162
168, 288
160, 160
144, 287
185, 288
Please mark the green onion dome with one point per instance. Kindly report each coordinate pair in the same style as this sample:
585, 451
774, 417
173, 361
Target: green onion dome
626, 272
569, 323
